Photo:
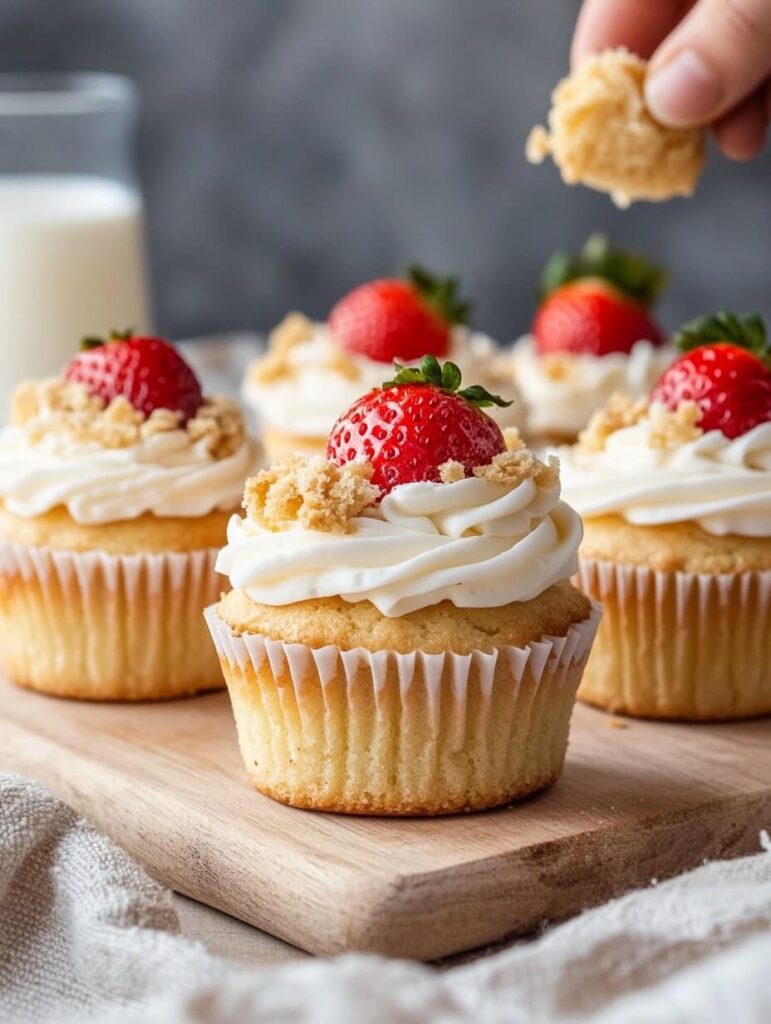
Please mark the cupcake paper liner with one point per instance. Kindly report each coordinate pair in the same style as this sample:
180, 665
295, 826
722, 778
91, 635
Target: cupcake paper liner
381, 732
107, 627
677, 644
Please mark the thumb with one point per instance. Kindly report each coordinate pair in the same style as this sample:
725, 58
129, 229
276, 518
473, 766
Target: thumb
715, 57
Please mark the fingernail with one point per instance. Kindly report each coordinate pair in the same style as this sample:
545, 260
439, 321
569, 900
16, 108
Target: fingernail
683, 91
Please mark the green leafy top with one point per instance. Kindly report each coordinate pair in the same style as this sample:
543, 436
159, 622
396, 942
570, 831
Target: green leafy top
447, 377
630, 272
92, 341
441, 294
746, 330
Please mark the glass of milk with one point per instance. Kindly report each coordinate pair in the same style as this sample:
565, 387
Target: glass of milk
72, 256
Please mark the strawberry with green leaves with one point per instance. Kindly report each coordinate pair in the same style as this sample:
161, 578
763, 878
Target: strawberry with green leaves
391, 318
147, 371
725, 369
597, 302
417, 422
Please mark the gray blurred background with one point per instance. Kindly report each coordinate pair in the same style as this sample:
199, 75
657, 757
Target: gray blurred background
290, 149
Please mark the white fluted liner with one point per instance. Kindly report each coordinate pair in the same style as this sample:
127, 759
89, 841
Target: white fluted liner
382, 732
107, 627
679, 645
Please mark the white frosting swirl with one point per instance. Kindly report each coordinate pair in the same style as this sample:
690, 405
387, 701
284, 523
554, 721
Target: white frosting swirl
475, 543
564, 404
308, 403
166, 474
723, 485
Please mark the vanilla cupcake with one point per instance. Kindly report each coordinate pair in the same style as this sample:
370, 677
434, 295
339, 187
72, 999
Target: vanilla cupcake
593, 335
116, 484
402, 636
313, 370
676, 500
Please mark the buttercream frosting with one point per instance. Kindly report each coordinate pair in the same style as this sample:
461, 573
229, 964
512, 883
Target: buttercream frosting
723, 485
474, 542
561, 392
166, 474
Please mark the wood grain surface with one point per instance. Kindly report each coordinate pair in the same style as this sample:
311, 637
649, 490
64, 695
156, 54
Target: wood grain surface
636, 804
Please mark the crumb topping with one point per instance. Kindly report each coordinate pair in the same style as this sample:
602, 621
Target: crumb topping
602, 135
451, 472
557, 365
294, 330
314, 492
514, 467
667, 428
621, 411
65, 408
513, 439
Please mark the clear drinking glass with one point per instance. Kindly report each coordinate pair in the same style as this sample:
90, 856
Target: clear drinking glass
72, 254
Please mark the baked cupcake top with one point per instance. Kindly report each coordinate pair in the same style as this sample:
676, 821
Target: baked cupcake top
313, 370
699, 450
419, 501
124, 431
593, 334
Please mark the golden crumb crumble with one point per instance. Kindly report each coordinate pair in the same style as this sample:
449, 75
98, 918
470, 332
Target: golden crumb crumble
451, 472
621, 411
557, 365
513, 439
314, 492
669, 429
514, 467
56, 407
276, 364
601, 134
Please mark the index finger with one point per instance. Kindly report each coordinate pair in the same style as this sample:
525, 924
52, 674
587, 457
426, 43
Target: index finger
639, 25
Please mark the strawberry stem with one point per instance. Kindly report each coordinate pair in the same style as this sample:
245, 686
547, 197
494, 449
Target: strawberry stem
93, 341
440, 293
448, 378
746, 330
631, 273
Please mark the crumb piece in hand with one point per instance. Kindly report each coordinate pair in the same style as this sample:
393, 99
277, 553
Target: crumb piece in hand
315, 493
601, 134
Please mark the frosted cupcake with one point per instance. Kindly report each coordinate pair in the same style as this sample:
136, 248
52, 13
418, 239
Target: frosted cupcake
676, 499
313, 370
116, 484
593, 334
403, 637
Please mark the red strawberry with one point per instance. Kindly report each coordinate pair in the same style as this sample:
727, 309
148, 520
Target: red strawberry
415, 423
725, 369
393, 319
149, 372
597, 302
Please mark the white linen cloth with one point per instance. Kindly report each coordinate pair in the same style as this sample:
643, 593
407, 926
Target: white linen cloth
85, 935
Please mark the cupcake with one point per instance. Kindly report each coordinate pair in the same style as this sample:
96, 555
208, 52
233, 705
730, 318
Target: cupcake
675, 493
313, 370
402, 636
117, 480
593, 334
602, 135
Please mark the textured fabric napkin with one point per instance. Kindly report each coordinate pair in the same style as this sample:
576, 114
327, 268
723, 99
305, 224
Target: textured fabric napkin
85, 935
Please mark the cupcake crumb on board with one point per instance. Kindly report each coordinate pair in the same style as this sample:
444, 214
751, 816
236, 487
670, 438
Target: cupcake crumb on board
601, 134
60, 407
314, 492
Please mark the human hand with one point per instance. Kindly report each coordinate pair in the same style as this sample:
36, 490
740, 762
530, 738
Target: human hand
710, 61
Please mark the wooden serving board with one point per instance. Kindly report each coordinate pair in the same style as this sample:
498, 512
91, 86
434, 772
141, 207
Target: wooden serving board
635, 804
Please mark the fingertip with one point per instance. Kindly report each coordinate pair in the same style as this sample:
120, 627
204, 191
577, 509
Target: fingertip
741, 134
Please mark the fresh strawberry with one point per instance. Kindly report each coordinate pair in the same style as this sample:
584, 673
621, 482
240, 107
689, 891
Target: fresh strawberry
147, 371
725, 369
597, 302
415, 423
394, 319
